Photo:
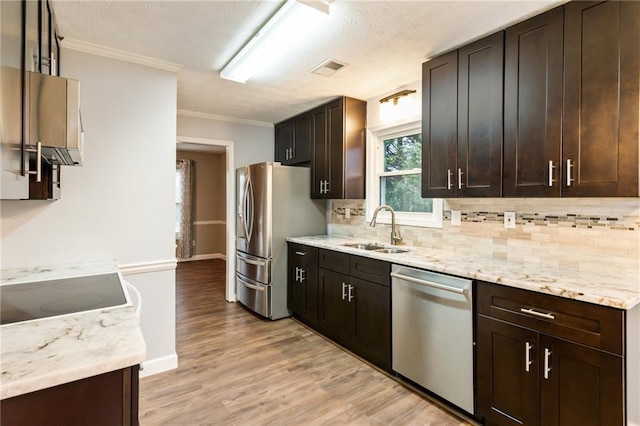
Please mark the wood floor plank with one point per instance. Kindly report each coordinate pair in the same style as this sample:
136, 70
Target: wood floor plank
237, 369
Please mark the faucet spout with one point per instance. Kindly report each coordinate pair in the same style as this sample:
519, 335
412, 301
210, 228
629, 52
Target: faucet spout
395, 232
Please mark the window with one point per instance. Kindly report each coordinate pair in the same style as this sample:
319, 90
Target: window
395, 154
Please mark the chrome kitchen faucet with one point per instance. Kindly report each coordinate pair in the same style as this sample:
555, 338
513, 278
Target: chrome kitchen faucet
395, 233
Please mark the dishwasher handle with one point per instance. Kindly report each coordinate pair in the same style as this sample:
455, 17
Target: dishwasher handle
430, 283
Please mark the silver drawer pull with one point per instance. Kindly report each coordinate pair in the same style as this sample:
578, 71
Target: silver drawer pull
301, 253
527, 352
537, 314
547, 368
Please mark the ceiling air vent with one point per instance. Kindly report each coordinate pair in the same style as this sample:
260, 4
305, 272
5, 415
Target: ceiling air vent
328, 67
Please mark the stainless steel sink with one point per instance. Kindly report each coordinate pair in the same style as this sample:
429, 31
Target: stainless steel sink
378, 248
391, 250
364, 246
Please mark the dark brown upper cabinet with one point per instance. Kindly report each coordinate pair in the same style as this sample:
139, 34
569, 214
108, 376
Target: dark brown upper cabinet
338, 156
601, 99
462, 121
533, 107
293, 140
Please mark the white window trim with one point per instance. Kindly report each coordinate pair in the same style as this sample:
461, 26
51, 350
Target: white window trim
375, 136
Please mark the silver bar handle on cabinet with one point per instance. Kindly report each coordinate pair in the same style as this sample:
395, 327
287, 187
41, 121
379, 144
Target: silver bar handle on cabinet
350, 292
537, 314
527, 351
430, 284
551, 167
301, 275
547, 368
321, 186
344, 291
297, 274
449, 178
569, 168
246, 284
460, 173
301, 253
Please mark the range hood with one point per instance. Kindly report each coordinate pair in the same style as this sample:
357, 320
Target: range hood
52, 117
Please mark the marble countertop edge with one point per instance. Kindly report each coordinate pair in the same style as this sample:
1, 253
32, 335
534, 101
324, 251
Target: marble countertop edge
602, 289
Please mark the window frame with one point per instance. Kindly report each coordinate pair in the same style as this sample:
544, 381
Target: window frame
375, 138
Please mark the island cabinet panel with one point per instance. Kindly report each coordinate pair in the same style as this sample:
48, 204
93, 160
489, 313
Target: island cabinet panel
601, 98
107, 399
533, 106
545, 360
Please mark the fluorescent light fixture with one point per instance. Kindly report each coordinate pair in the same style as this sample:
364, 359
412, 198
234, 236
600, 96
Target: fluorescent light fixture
294, 20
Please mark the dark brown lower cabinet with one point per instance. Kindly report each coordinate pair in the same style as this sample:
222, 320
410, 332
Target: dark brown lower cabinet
528, 377
107, 399
303, 282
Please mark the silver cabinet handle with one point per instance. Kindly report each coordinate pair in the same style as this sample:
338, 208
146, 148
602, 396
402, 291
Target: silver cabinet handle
430, 284
569, 168
344, 291
350, 292
39, 161
301, 253
321, 186
547, 368
527, 353
297, 274
460, 173
538, 314
449, 178
551, 167
301, 275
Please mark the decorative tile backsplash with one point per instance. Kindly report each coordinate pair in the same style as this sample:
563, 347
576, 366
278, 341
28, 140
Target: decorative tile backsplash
587, 234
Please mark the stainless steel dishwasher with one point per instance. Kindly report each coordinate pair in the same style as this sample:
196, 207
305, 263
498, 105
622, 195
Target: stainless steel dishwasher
432, 332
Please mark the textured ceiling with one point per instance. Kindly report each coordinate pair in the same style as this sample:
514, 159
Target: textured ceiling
384, 43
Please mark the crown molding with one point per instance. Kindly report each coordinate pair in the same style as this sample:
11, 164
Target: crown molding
215, 117
108, 52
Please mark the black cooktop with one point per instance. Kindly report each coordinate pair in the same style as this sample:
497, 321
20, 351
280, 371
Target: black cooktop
42, 299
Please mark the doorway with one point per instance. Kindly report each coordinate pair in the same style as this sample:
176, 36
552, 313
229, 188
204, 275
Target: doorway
208, 152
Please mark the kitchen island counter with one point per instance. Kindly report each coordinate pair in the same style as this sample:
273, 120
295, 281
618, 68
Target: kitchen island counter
620, 291
47, 352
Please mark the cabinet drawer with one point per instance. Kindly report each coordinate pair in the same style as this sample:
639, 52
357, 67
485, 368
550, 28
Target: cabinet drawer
303, 255
334, 261
373, 270
592, 325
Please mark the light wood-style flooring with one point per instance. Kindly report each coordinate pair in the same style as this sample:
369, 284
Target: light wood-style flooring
237, 369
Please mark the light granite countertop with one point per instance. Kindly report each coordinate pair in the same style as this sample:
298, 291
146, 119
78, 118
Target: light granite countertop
47, 352
620, 291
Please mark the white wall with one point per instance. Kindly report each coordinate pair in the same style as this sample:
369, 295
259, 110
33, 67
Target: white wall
251, 143
120, 203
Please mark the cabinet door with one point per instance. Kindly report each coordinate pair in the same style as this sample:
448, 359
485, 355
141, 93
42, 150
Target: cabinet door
333, 315
579, 385
335, 149
507, 373
301, 139
600, 116
439, 126
304, 291
319, 153
480, 76
370, 321
533, 106
284, 141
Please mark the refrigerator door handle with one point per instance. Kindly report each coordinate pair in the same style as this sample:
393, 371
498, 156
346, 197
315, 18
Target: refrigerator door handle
250, 201
244, 214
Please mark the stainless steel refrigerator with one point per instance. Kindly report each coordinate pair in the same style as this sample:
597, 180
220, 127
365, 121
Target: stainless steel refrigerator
273, 203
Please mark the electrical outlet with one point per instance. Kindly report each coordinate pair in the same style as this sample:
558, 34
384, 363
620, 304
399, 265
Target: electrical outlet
456, 218
509, 220
347, 213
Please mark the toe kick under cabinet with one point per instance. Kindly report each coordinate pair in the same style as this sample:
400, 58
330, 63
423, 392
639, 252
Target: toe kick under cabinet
546, 360
345, 297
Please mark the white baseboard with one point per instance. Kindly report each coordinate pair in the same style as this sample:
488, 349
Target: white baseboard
204, 257
159, 365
